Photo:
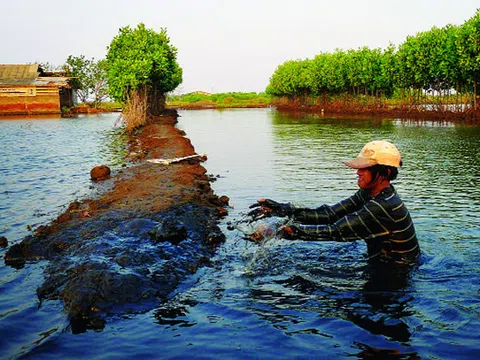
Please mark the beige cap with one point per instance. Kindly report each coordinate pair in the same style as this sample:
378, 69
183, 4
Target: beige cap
378, 152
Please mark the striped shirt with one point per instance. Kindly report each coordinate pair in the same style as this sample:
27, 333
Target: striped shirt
382, 221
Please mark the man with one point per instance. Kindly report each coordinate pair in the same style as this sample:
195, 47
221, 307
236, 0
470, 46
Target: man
374, 213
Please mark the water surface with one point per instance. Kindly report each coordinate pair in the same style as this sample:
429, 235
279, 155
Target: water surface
285, 299
45, 165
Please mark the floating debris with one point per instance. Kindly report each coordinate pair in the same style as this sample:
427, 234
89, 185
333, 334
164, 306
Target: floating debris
202, 156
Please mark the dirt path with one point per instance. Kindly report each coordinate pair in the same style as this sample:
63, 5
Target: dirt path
155, 187
131, 246
146, 187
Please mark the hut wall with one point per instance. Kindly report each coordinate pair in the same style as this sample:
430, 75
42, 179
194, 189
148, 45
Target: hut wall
66, 97
29, 100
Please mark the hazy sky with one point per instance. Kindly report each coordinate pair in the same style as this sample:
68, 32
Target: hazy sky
222, 45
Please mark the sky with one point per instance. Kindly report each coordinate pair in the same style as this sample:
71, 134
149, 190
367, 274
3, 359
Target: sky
223, 46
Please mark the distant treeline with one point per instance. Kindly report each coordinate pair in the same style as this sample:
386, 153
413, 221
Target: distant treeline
220, 100
442, 62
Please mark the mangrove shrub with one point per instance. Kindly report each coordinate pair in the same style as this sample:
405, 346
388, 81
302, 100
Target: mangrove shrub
444, 62
142, 61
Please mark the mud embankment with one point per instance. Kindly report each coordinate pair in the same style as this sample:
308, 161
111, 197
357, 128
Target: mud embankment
346, 108
339, 109
128, 249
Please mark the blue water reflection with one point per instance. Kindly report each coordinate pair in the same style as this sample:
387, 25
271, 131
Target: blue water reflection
410, 313
285, 299
45, 164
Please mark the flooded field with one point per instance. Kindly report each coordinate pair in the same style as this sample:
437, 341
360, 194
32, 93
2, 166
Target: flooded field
282, 300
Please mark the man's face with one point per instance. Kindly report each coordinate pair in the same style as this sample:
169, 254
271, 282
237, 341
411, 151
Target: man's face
365, 179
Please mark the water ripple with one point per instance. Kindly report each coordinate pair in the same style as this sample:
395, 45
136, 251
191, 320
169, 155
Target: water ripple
285, 299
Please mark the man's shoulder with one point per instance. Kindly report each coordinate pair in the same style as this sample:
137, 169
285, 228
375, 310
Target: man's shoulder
388, 197
363, 195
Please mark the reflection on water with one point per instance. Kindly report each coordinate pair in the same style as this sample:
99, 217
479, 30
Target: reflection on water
328, 290
303, 299
45, 164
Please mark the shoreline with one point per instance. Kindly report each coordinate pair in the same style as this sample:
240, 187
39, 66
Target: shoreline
339, 111
400, 112
133, 244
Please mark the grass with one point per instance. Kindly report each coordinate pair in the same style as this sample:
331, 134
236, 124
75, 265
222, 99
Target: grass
219, 100
110, 106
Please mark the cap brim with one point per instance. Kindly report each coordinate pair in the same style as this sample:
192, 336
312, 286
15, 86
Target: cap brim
360, 163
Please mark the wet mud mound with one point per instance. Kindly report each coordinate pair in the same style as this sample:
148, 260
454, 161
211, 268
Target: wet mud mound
128, 249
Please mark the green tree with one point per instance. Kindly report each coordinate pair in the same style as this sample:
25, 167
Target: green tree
78, 67
319, 68
468, 45
98, 82
444, 66
292, 78
436, 61
362, 68
88, 79
144, 61
385, 79
413, 62
335, 74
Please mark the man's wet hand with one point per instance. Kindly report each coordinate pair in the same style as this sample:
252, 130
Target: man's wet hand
288, 232
269, 207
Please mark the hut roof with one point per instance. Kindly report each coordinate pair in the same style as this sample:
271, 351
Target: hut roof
19, 74
31, 74
53, 81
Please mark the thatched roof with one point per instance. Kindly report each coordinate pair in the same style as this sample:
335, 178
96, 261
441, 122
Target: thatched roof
30, 74
59, 81
19, 74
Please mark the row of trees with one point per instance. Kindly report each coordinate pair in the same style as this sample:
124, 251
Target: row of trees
442, 61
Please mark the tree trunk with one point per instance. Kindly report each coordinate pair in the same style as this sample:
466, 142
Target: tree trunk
475, 94
155, 101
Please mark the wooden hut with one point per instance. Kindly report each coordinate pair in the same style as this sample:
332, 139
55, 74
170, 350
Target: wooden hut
28, 90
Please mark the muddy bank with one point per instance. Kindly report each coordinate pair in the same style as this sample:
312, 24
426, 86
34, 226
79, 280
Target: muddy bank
128, 249
350, 109
353, 109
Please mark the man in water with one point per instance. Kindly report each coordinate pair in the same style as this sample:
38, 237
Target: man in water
374, 213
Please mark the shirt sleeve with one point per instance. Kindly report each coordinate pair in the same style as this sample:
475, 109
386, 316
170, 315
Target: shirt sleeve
368, 222
326, 214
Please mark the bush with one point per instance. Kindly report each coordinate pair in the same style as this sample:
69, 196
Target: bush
135, 110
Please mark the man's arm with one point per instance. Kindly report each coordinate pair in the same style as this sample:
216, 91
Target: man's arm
368, 222
330, 214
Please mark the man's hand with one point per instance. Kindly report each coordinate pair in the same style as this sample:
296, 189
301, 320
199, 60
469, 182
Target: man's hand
288, 232
267, 207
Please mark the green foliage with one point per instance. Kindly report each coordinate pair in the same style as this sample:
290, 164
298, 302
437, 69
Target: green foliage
88, 78
444, 70
468, 44
140, 58
335, 72
110, 106
77, 67
292, 78
413, 61
440, 59
220, 100
388, 73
